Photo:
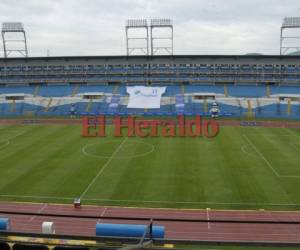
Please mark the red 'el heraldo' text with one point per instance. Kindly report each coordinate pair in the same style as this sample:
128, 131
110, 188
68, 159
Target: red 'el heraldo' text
133, 127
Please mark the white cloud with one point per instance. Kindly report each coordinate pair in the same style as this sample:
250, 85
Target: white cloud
96, 27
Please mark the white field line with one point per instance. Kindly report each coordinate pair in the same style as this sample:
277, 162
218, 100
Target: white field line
295, 147
162, 202
83, 150
103, 168
260, 154
152, 201
272, 135
266, 161
13, 137
41, 210
208, 218
292, 133
277, 135
243, 149
7, 142
102, 214
37, 197
5, 145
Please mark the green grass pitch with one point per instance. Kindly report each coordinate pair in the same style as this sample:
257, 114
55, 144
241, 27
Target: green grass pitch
242, 168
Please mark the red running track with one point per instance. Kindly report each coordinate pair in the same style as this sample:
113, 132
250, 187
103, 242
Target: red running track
208, 230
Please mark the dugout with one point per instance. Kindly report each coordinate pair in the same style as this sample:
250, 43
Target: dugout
93, 95
289, 97
15, 97
204, 96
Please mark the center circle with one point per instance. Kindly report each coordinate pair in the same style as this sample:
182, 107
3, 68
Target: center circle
131, 149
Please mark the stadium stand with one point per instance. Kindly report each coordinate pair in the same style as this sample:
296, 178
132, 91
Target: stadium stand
196, 100
239, 85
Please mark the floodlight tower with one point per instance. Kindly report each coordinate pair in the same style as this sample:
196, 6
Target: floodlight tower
16, 28
161, 24
134, 25
289, 42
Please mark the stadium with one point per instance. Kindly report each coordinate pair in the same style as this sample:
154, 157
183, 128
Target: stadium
70, 181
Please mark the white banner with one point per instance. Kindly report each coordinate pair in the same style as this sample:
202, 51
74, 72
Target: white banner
145, 97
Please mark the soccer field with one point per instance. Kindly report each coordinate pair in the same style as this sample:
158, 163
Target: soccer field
241, 168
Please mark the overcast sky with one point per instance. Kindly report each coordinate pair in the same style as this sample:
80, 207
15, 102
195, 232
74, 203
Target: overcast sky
96, 27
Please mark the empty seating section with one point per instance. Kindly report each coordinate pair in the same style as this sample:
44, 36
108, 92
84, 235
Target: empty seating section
246, 91
264, 101
172, 90
276, 90
179, 104
192, 108
122, 90
230, 110
8, 109
204, 89
55, 91
113, 105
175, 70
17, 89
68, 90
95, 88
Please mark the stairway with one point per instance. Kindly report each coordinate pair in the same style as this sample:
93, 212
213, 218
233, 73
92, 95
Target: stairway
240, 105
12, 107
179, 104
250, 113
182, 89
114, 103
268, 91
289, 107
225, 91
89, 105
36, 91
75, 90
116, 89
278, 108
48, 105
258, 106
205, 105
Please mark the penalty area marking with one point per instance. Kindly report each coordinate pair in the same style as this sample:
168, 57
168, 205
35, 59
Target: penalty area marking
151, 149
294, 145
266, 161
244, 150
292, 133
151, 201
